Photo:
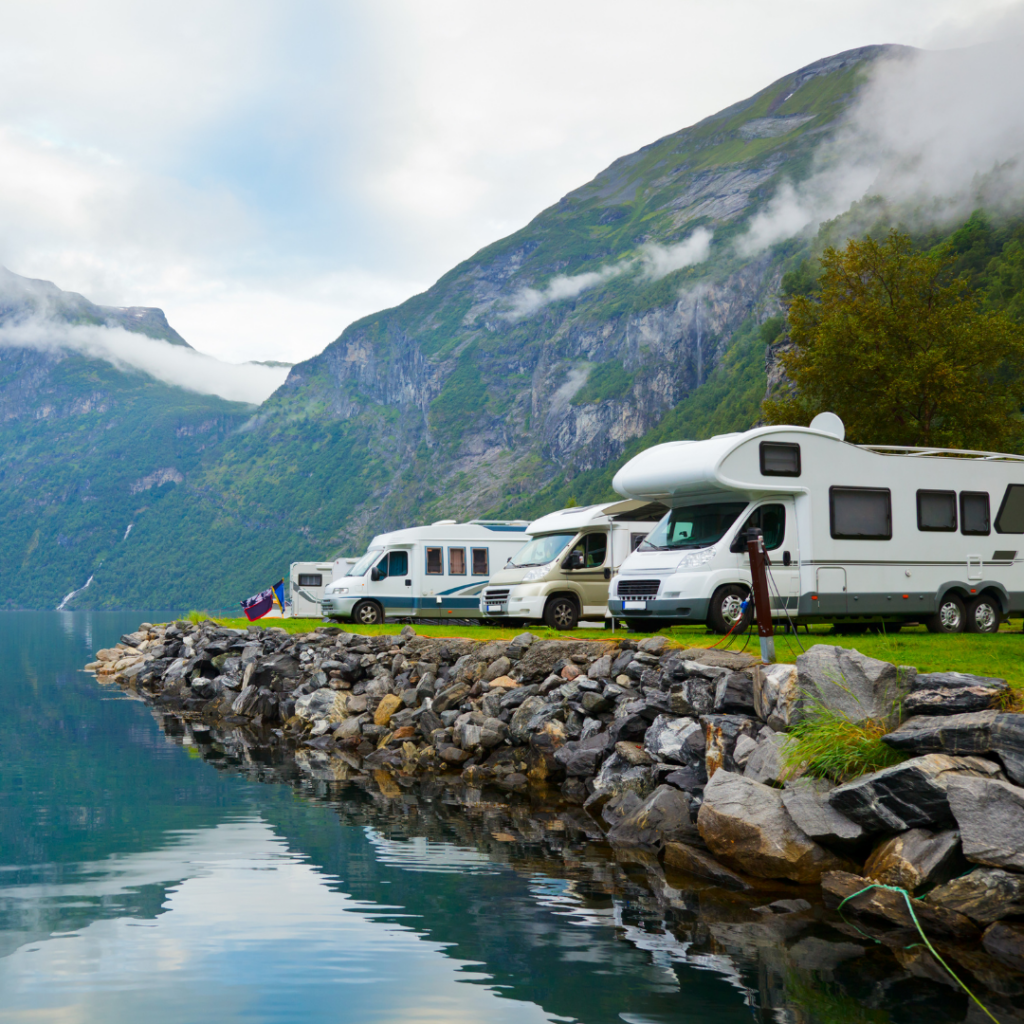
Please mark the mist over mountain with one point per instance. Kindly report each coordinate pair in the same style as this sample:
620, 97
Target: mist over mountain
642, 306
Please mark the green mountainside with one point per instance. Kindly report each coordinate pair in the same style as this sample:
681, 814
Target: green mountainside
510, 387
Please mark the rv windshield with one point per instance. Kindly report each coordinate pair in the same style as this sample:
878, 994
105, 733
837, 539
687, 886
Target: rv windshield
541, 550
362, 566
693, 526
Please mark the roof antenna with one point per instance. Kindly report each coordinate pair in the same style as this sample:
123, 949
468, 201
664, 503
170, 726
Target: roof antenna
829, 423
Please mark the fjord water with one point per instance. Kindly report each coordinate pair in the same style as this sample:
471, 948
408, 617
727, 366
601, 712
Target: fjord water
140, 880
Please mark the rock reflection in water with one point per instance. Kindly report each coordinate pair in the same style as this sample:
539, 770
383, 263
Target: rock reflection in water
599, 923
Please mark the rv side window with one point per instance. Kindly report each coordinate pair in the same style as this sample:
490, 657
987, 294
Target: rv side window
456, 561
780, 458
480, 564
770, 520
974, 514
635, 540
310, 579
435, 563
398, 563
1010, 518
936, 510
860, 513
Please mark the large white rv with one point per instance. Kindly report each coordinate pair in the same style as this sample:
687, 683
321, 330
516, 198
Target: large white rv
434, 571
562, 575
857, 534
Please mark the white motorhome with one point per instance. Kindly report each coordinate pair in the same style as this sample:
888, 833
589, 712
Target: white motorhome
857, 534
562, 575
434, 571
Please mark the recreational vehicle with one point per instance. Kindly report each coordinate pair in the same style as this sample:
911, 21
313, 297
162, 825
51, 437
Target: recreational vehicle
856, 534
562, 575
432, 571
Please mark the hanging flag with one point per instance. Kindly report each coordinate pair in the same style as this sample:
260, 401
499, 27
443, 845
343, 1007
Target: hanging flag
258, 606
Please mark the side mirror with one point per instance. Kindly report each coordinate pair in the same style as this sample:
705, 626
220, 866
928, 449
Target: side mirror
375, 575
573, 561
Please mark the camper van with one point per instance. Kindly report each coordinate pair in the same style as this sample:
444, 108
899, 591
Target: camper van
434, 571
562, 575
857, 535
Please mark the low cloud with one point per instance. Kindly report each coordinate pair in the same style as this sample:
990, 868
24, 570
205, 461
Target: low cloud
172, 364
938, 133
654, 262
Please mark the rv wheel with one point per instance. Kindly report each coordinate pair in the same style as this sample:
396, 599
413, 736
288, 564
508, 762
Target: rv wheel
367, 613
560, 613
983, 615
726, 613
950, 618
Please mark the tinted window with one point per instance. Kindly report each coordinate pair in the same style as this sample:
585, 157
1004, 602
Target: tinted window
974, 513
398, 564
635, 540
457, 561
480, 567
542, 550
310, 579
780, 458
693, 526
770, 520
435, 564
860, 513
593, 547
936, 510
1011, 512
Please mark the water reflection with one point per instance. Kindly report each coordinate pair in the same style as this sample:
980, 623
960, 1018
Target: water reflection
149, 871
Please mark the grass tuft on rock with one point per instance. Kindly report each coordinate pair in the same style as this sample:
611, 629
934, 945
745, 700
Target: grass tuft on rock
831, 746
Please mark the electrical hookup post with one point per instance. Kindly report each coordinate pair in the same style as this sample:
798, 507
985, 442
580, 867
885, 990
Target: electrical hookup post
762, 602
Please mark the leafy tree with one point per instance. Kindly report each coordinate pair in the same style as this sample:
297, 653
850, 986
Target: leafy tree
902, 351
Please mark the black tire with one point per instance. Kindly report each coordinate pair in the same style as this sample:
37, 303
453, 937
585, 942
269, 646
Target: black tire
849, 628
984, 615
367, 613
561, 613
724, 614
950, 618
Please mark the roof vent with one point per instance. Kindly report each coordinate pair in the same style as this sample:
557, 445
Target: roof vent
829, 423
445, 522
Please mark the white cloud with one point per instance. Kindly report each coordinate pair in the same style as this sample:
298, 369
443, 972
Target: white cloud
173, 364
660, 260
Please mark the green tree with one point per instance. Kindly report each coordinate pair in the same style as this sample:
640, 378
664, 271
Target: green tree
903, 352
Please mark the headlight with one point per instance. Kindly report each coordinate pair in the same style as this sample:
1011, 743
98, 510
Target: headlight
695, 559
538, 572
337, 590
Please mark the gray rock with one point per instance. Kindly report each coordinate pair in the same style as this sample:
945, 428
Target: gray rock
783, 907
1006, 943
765, 764
474, 729
693, 861
981, 732
847, 682
539, 659
776, 695
582, 758
984, 895
953, 693
692, 778
617, 775
806, 802
720, 735
990, 815
745, 746
601, 668
908, 795
652, 645
351, 727
734, 694
662, 817
745, 823
519, 644
595, 703
499, 667
916, 860
675, 740
323, 703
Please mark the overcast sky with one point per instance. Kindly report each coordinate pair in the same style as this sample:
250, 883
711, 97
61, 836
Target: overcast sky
266, 172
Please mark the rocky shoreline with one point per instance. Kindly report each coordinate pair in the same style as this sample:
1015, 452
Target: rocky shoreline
673, 756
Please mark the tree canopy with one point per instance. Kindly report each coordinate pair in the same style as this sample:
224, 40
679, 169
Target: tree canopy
903, 352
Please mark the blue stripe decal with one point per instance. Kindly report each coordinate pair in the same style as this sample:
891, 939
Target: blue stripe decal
506, 529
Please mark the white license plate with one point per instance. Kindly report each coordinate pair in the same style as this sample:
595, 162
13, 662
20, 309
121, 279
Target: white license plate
494, 607
634, 606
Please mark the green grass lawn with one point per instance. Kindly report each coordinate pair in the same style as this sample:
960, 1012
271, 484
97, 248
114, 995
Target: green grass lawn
997, 655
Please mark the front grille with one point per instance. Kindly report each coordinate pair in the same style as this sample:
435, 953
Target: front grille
638, 588
496, 596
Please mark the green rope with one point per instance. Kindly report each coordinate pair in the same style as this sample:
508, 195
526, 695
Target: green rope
924, 938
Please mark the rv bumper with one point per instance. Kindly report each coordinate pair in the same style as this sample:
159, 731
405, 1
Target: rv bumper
677, 609
338, 607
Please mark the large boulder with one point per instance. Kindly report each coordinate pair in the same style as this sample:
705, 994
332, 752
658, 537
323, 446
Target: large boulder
519, 727
765, 763
662, 817
323, 704
952, 693
734, 694
721, 734
916, 859
582, 758
618, 774
474, 729
675, 740
984, 895
851, 684
990, 815
908, 795
540, 658
776, 695
981, 732
745, 824
806, 800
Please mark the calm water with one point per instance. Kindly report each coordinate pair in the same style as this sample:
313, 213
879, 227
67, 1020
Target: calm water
145, 878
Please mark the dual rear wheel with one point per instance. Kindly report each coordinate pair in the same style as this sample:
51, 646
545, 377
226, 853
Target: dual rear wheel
981, 615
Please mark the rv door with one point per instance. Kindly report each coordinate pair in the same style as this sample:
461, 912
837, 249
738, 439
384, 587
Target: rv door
392, 587
831, 590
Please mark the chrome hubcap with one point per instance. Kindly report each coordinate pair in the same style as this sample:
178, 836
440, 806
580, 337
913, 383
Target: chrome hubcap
732, 609
368, 615
985, 617
949, 616
563, 616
